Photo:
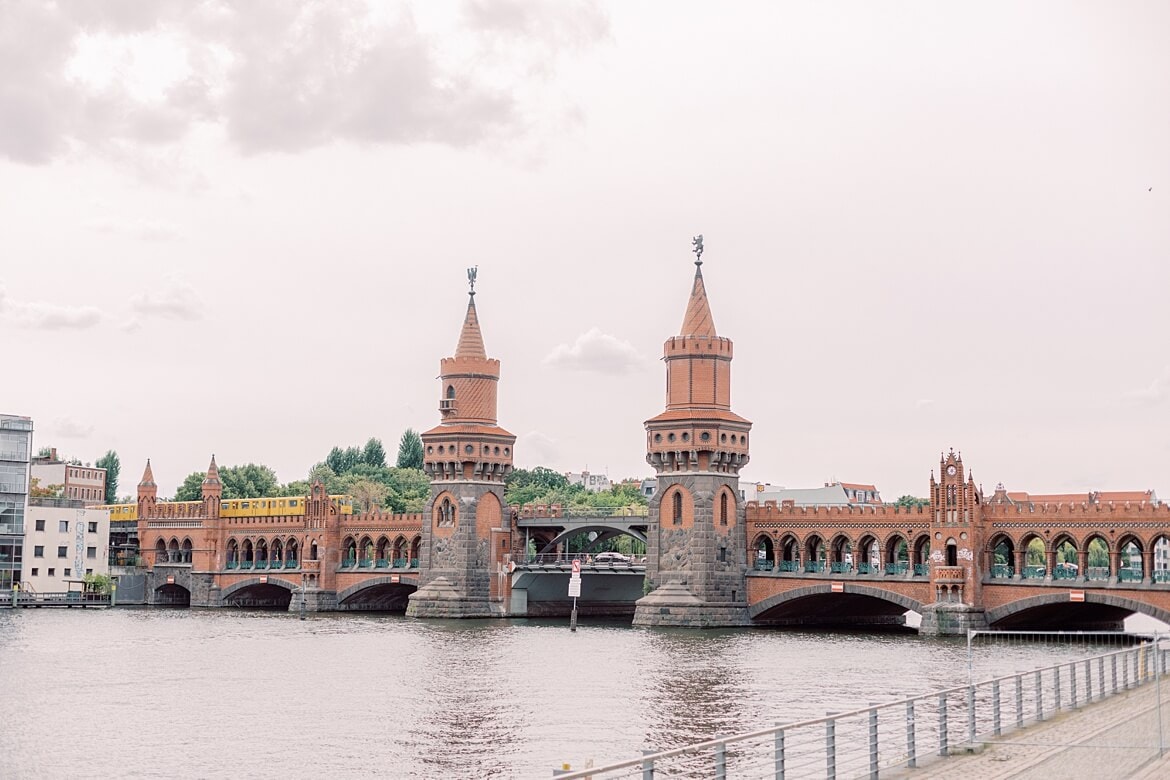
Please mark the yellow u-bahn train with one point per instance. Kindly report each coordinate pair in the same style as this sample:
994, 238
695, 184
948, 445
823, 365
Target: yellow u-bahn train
244, 507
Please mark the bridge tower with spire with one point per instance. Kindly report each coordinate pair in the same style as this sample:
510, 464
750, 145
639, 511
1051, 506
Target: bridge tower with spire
696, 557
466, 533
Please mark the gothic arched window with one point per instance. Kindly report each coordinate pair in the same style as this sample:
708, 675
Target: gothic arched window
446, 517
723, 509
676, 507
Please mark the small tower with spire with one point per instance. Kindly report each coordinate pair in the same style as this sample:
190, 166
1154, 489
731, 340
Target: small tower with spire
696, 544
147, 492
212, 490
466, 530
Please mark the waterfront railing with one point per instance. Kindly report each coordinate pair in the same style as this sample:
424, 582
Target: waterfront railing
904, 733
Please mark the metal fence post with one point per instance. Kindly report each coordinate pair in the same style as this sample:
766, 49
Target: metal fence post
1113, 658
1088, 682
911, 752
1125, 671
780, 754
721, 760
971, 714
1072, 681
1039, 698
995, 714
1019, 701
942, 724
831, 747
647, 766
1056, 685
873, 742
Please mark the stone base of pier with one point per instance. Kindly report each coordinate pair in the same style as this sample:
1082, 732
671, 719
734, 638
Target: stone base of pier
440, 599
946, 619
674, 605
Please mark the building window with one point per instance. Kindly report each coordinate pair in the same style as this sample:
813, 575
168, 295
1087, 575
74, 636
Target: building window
722, 554
446, 513
40, 525
69, 572
36, 571
62, 551
88, 572
676, 507
63, 526
90, 552
723, 509
93, 528
39, 551
52, 572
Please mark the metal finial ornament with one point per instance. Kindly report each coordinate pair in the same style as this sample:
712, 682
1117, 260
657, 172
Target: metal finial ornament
697, 243
471, 272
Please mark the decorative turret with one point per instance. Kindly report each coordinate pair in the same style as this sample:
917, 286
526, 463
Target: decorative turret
468, 444
147, 490
467, 535
698, 432
212, 487
696, 550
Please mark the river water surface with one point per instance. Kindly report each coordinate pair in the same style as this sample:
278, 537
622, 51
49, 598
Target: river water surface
159, 693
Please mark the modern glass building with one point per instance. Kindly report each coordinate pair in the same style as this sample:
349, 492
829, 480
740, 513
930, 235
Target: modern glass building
15, 446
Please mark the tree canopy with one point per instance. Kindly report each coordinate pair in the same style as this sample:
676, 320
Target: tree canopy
251, 480
911, 502
113, 466
410, 450
541, 485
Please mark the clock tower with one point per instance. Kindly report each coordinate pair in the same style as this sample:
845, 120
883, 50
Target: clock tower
956, 542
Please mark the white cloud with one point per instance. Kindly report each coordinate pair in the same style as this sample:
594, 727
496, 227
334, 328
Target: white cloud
1156, 392
596, 351
924, 403
177, 301
47, 316
146, 229
68, 428
100, 76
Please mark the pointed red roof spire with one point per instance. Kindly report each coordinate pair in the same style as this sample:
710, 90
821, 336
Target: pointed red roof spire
212, 473
147, 475
470, 338
698, 320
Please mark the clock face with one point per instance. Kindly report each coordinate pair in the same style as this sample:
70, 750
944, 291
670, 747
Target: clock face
951, 470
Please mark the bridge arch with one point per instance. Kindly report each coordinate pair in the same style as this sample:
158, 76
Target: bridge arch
821, 589
378, 593
236, 587
1061, 599
603, 530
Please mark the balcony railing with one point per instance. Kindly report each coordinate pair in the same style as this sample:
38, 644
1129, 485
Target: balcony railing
814, 567
900, 567
1034, 572
1001, 571
763, 566
1129, 575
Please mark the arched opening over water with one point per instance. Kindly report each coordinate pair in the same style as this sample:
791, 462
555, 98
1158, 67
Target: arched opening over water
254, 594
171, 595
861, 608
1100, 611
381, 594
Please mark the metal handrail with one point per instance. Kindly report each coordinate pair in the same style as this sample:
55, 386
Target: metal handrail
1130, 667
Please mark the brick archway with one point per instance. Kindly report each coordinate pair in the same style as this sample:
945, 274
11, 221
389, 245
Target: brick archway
373, 582
236, 587
999, 614
821, 589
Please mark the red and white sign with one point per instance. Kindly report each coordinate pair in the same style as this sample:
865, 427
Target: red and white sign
576, 566
1076, 595
170, 580
838, 587
263, 579
394, 578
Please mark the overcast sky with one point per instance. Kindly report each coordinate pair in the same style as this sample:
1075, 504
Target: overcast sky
244, 229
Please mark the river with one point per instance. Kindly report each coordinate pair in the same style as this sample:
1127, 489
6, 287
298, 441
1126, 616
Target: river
190, 693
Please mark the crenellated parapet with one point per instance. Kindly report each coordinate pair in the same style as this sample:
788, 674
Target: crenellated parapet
1079, 510
378, 521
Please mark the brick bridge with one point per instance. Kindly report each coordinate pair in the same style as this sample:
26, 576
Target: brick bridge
962, 560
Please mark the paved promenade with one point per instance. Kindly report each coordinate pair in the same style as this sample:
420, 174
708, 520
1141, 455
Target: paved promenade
1116, 738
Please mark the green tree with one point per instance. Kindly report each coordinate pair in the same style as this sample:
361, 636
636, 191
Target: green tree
525, 486
250, 480
373, 454
342, 461
368, 494
911, 502
410, 450
98, 583
113, 466
192, 487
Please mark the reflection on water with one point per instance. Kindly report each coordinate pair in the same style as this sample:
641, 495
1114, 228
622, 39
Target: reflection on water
156, 693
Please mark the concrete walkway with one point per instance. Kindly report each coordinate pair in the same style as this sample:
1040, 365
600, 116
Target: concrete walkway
1115, 738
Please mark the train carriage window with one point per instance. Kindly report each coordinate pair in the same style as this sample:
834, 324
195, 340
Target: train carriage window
293, 502
243, 505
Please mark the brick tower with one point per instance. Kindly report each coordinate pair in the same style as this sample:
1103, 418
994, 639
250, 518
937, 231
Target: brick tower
466, 532
697, 544
956, 557
147, 492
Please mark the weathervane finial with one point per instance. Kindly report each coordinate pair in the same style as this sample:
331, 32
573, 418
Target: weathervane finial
697, 243
471, 272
